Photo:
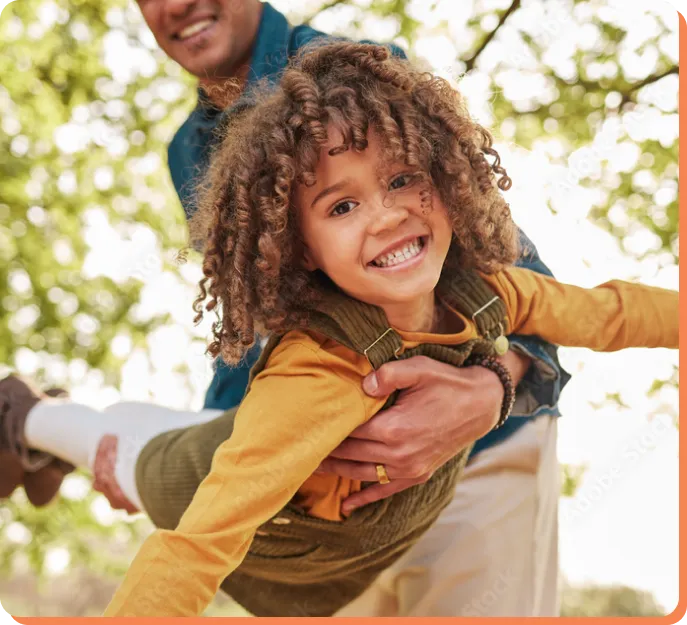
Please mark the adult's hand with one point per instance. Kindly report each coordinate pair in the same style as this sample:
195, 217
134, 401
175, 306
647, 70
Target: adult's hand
441, 410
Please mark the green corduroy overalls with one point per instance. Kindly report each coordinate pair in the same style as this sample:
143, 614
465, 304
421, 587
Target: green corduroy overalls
299, 565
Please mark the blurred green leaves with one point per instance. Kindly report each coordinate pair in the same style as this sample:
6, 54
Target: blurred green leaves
72, 138
608, 601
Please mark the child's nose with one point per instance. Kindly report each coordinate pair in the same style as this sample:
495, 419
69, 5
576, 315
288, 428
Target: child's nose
388, 213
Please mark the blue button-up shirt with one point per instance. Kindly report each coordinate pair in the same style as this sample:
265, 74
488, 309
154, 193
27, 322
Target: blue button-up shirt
188, 154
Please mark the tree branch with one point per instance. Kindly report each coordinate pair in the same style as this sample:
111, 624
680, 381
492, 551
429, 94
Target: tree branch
328, 5
627, 91
654, 78
470, 63
628, 96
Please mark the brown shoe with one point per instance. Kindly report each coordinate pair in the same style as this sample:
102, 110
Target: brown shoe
42, 486
11, 473
17, 397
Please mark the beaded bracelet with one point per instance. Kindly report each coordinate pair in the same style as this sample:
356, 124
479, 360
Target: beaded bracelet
494, 365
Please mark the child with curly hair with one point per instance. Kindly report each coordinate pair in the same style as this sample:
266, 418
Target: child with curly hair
351, 214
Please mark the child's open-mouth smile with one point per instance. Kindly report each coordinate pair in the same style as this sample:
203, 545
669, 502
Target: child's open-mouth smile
401, 255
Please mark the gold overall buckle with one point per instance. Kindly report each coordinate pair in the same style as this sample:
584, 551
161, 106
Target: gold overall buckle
369, 347
500, 343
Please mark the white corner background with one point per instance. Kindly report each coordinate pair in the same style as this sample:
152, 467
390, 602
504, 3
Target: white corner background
5, 618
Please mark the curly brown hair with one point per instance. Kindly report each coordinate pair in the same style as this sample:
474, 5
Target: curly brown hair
245, 218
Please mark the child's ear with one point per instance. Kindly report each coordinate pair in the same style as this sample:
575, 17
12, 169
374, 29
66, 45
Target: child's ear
308, 262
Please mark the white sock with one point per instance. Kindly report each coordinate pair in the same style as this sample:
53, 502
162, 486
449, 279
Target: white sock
73, 431
146, 421
67, 430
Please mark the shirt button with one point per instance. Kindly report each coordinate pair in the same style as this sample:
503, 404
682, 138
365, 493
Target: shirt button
280, 520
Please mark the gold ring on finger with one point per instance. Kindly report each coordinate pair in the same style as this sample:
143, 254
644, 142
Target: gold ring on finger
382, 476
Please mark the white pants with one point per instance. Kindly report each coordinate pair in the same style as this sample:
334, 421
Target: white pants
494, 549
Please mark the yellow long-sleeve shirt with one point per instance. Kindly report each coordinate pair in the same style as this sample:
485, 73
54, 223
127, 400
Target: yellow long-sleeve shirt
309, 398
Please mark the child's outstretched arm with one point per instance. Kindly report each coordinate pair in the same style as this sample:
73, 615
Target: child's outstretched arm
298, 410
606, 318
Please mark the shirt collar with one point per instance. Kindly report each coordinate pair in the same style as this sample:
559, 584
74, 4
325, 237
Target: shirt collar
271, 44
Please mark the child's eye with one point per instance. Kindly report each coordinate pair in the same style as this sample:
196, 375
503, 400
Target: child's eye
401, 181
343, 207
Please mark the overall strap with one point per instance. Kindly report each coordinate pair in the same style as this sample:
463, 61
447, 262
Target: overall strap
471, 296
365, 329
361, 327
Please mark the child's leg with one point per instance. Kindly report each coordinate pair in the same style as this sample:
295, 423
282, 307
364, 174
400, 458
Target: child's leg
74, 432
171, 466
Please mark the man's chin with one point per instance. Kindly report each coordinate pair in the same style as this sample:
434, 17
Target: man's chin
202, 62
199, 66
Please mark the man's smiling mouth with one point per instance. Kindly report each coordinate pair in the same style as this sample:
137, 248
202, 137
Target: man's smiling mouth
195, 28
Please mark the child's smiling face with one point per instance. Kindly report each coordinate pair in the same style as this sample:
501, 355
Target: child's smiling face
365, 224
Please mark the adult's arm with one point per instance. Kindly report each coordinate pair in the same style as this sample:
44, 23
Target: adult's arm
441, 410
464, 403
541, 386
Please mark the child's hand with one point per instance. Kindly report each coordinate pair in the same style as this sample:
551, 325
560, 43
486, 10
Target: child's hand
458, 406
104, 480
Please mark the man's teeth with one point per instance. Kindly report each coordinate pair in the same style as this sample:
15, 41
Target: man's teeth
193, 29
400, 255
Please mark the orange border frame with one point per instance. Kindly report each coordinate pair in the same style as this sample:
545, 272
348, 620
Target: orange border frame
669, 619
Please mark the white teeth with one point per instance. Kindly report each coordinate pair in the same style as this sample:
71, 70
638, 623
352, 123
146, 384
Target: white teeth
400, 255
193, 29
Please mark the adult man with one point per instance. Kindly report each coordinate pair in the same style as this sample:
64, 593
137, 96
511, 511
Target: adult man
485, 544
